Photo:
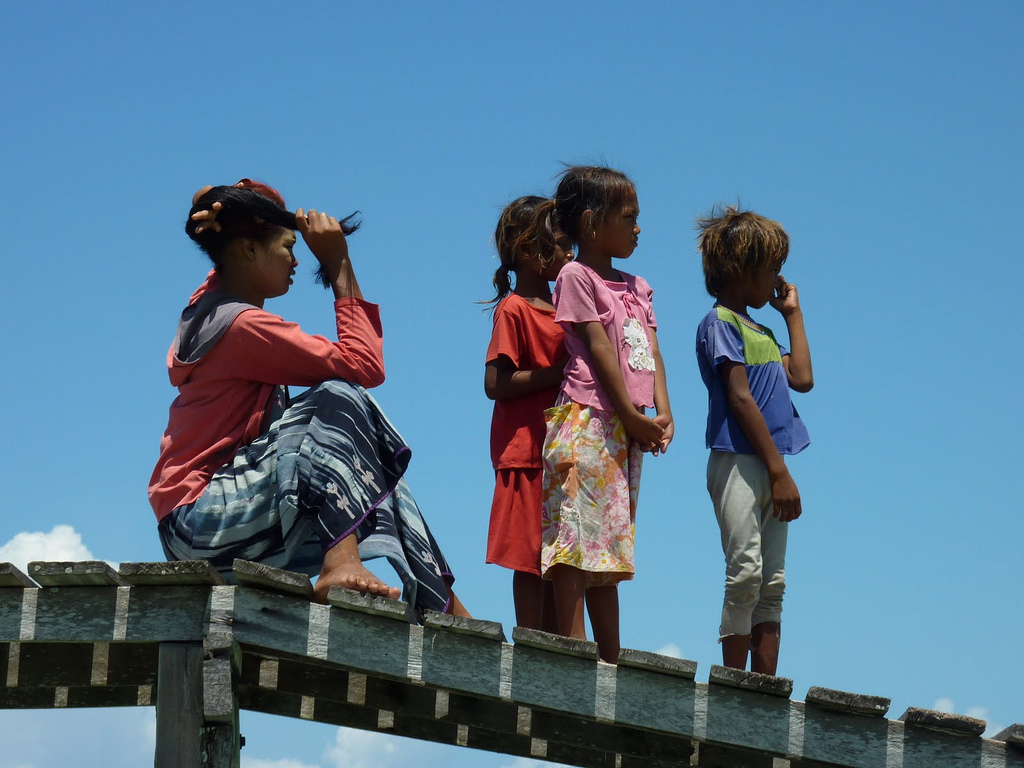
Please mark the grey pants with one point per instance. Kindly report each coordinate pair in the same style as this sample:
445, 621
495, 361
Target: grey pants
753, 541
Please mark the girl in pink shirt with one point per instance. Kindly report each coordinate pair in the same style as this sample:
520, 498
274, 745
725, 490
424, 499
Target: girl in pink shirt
598, 430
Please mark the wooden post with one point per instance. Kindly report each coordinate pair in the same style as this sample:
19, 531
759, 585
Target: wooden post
179, 705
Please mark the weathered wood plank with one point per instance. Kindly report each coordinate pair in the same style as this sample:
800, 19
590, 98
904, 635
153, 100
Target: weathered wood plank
488, 630
943, 721
179, 705
741, 718
165, 613
89, 573
12, 577
650, 699
570, 646
461, 662
925, 747
259, 576
751, 681
270, 620
655, 662
556, 681
835, 736
371, 643
375, 605
841, 701
179, 573
75, 614
1014, 734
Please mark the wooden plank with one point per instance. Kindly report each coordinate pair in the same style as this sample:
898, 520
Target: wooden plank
925, 747
88, 573
655, 662
488, 630
12, 577
1014, 734
649, 699
75, 614
570, 646
841, 701
751, 681
270, 620
375, 605
175, 573
462, 662
844, 737
369, 643
741, 718
179, 705
260, 576
943, 721
554, 680
165, 613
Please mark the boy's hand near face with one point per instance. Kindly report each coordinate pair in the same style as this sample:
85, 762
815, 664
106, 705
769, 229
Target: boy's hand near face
786, 299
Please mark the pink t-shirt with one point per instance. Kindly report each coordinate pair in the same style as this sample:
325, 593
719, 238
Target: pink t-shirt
626, 312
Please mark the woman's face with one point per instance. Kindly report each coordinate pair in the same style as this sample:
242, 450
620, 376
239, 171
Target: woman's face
275, 263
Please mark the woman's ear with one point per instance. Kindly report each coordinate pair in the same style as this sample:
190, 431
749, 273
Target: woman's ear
247, 247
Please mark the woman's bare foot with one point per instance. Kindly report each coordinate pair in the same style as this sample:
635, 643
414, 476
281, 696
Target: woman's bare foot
343, 568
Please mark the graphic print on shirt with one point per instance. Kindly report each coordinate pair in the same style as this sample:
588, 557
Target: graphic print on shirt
640, 358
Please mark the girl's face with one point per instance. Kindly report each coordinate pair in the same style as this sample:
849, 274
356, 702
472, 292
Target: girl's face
618, 233
563, 255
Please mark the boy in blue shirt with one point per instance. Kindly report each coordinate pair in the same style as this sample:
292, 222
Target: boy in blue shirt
751, 424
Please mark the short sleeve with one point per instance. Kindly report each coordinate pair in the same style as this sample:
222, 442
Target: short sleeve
723, 343
506, 337
575, 300
648, 294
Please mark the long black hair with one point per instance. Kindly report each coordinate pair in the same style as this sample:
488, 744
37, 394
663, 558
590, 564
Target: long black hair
254, 211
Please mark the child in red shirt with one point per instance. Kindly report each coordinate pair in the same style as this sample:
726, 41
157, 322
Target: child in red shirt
524, 371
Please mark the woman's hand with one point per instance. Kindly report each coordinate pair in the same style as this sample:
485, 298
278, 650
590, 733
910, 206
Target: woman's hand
643, 430
326, 240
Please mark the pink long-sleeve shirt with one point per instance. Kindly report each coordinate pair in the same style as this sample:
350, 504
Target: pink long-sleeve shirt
222, 396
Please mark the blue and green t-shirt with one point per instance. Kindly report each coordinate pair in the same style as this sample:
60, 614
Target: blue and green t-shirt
724, 335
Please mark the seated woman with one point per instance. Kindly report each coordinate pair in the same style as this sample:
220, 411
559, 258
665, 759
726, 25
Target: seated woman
314, 484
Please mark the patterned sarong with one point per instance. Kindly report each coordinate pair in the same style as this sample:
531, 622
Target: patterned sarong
331, 464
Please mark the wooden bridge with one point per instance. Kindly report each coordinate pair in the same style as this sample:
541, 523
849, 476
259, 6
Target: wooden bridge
174, 636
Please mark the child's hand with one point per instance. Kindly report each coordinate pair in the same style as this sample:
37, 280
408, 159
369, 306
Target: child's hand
785, 497
644, 430
786, 299
664, 420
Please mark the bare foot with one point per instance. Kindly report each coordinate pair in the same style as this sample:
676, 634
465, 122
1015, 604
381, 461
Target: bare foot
343, 568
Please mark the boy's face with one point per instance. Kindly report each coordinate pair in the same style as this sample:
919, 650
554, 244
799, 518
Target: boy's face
760, 286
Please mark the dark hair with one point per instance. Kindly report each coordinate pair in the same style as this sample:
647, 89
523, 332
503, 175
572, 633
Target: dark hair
584, 188
526, 224
734, 244
253, 210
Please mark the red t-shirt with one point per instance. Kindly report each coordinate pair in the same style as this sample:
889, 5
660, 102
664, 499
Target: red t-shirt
530, 338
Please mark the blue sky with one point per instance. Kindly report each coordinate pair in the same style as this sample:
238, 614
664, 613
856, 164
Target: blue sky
885, 138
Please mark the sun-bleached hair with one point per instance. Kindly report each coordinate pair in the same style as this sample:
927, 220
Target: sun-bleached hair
734, 244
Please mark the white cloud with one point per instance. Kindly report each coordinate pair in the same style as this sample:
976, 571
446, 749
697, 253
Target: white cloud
285, 763
526, 762
362, 749
672, 650
62, 543
944, 704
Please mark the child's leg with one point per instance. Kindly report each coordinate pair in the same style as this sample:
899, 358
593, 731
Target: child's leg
603, 607
569, 586
768, 611
528, 594
764, 647
739, 486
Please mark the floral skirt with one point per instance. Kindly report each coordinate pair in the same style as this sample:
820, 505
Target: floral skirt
591, 483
